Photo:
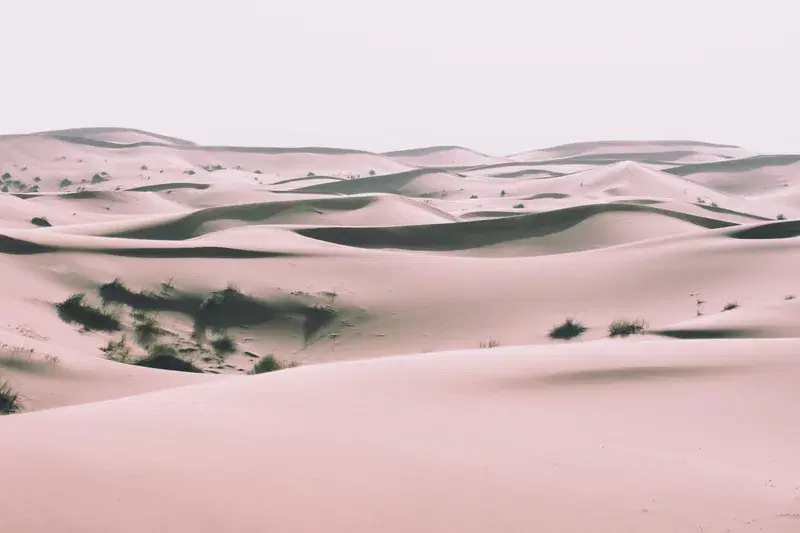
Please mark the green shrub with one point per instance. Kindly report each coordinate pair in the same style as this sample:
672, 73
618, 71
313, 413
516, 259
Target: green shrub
269, 363
568, 330
623, 328
75, 310
9, 399
166, 357
42, 222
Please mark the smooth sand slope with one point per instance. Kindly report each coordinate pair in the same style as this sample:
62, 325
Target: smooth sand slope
144, 277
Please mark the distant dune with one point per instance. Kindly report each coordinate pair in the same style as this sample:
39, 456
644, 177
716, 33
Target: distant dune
593, 335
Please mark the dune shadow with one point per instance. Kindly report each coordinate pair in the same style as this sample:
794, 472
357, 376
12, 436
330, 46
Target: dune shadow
775, 230
635, 373
706, 333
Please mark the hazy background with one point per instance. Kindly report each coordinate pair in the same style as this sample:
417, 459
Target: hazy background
497, 76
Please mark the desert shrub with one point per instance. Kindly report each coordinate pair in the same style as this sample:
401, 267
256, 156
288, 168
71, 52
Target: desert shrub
519, 206
568, 330
4, 188
224, 345
66, 182
37, 179
310, 174
257, 171
6, 176
502, 193
42, 222
113, 290
118, 350
75, 310
166, 357
9, 399
269, 363
730, 305
190, 172
146, 329
790, 297
98, 178
371, 172
35, 188
143, 167
491, 343
623, 327
781, 217
473, 197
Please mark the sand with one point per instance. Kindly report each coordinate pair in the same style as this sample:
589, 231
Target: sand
382, 275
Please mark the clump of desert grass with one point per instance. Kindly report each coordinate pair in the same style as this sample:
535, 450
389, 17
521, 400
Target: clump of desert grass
224, 344
730, 306
75, 310
569, 329
624, 327
269, 363
490, 343
118, 350
166, 357
42, 222
9, 399
146, 330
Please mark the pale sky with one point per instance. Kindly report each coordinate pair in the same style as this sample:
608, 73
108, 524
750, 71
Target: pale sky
497, 76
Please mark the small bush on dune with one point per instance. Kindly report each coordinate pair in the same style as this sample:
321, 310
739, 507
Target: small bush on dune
730, 305
42, 222
146, 329
568, 330
224, 345
269, 363
781, 217
9, 399
190, 172
316, 318
491, 343
790, 297
65, 183
113, 290
623, 328
519, 206
118, 350
75, 310
166, 357
473, 197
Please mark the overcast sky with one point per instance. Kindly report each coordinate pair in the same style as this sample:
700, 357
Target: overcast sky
498, 76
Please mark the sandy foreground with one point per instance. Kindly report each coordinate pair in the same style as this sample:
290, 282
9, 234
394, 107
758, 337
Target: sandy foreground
345, 262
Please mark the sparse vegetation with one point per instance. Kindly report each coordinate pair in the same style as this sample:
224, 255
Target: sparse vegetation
781, 216
6, 176
146, 329
42, 222
730, 305
269, 363
502, 193
190, 172
310, 174
118, 350
9, 399
519, 206
143, 167
371, 172
166, 357
113, 290
568, 330
473, 197
491, 343
66, 182
790, 297
75, 310
224, 345
98, 178
624, 328
257, 171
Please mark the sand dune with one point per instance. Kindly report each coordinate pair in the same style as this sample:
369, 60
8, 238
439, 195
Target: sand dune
674, 151
558, 231
442, 156
202, 261
488, 441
